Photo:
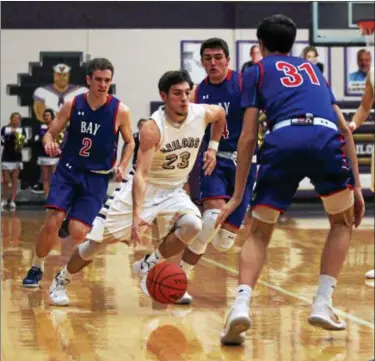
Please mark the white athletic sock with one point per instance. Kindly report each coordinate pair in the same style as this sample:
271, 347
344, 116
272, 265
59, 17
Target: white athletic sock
38, 262
186, 267
326, 286
244, 293
65, 274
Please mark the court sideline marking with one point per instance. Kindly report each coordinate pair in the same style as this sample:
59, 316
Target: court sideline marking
290, 293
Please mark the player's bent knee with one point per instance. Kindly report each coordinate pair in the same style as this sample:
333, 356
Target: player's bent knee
338, 202
266, 214
78, 231
54, 221
199, 244
343, 218
224, 240
88, 249
188, 227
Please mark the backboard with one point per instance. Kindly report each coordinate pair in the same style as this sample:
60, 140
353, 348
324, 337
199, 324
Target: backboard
335, 23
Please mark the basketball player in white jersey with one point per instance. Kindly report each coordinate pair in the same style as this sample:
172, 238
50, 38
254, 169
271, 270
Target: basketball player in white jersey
360, 117
169, 145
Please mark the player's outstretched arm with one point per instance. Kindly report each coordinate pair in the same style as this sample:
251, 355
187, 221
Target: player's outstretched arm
149, 137
216, 116
124, 126
51, 147
364, 109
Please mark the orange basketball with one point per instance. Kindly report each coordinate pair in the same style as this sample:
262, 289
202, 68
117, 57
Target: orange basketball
166, 282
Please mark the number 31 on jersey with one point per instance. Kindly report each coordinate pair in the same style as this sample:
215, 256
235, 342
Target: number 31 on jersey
293, 74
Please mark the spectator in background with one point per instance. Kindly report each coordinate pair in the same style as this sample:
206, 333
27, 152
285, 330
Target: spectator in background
140, 124
255, 56
364, 65
13, 140
311, 54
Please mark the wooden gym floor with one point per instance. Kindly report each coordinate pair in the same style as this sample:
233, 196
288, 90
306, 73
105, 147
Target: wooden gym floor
109, 319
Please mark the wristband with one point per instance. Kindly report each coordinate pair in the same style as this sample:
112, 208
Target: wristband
213, 144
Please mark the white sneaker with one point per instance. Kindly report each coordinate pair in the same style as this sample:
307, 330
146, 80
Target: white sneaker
12, 205
186, 299
238, 322
143, 266
322, 315
4, 205
57, 291
144, 285
370, 274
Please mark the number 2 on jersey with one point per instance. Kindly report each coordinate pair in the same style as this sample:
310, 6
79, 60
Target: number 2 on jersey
85, 150
293, 76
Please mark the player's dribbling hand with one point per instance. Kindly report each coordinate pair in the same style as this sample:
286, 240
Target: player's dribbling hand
359, 206
209, 161
52, 149
226, 211
352, 126
137, 226
119, 173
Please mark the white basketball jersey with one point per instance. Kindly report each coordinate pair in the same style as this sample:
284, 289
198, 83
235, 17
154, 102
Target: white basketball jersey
178, 147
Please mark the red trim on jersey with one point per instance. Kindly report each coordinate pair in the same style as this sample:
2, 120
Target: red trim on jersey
215, 197
196, 94
232, 225
56, 208
261, 74
206, 79
85, 97
109, 98
229, 75
240, 80
115, 117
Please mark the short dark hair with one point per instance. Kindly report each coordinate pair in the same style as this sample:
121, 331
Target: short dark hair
277, 33
140, 121
172, 78
215, 43
253, 47
13, 114
49, 110
99, 64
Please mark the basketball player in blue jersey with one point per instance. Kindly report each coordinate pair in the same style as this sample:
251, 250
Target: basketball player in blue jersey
307, 136
222, 86
80, 182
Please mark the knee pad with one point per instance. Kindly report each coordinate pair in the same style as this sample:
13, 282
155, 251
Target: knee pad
224, 240
88, 249
199, 245
265, 214
188, 227
338, 202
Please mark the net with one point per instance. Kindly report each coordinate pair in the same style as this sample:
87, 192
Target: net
367, 30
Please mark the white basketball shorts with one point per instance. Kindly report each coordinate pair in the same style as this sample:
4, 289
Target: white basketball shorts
162, 208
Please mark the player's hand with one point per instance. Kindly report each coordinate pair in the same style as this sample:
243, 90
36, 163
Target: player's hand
359, 206
138, 225
352, 126
52, 149
119, 173
226, 211
209, 161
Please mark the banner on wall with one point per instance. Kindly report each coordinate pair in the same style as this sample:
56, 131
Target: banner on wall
56, 78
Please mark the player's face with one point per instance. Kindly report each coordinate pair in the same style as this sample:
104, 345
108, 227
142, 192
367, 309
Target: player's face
100, 82
47, 117
15, 120
364, 62
215, 63
255, 55
177, 99
61, 80
311, 56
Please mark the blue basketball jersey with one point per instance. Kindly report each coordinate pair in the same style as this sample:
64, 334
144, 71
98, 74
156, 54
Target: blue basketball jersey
92, 137
228, 95
287, 87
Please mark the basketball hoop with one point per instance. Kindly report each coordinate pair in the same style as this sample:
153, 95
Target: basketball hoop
367, 30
